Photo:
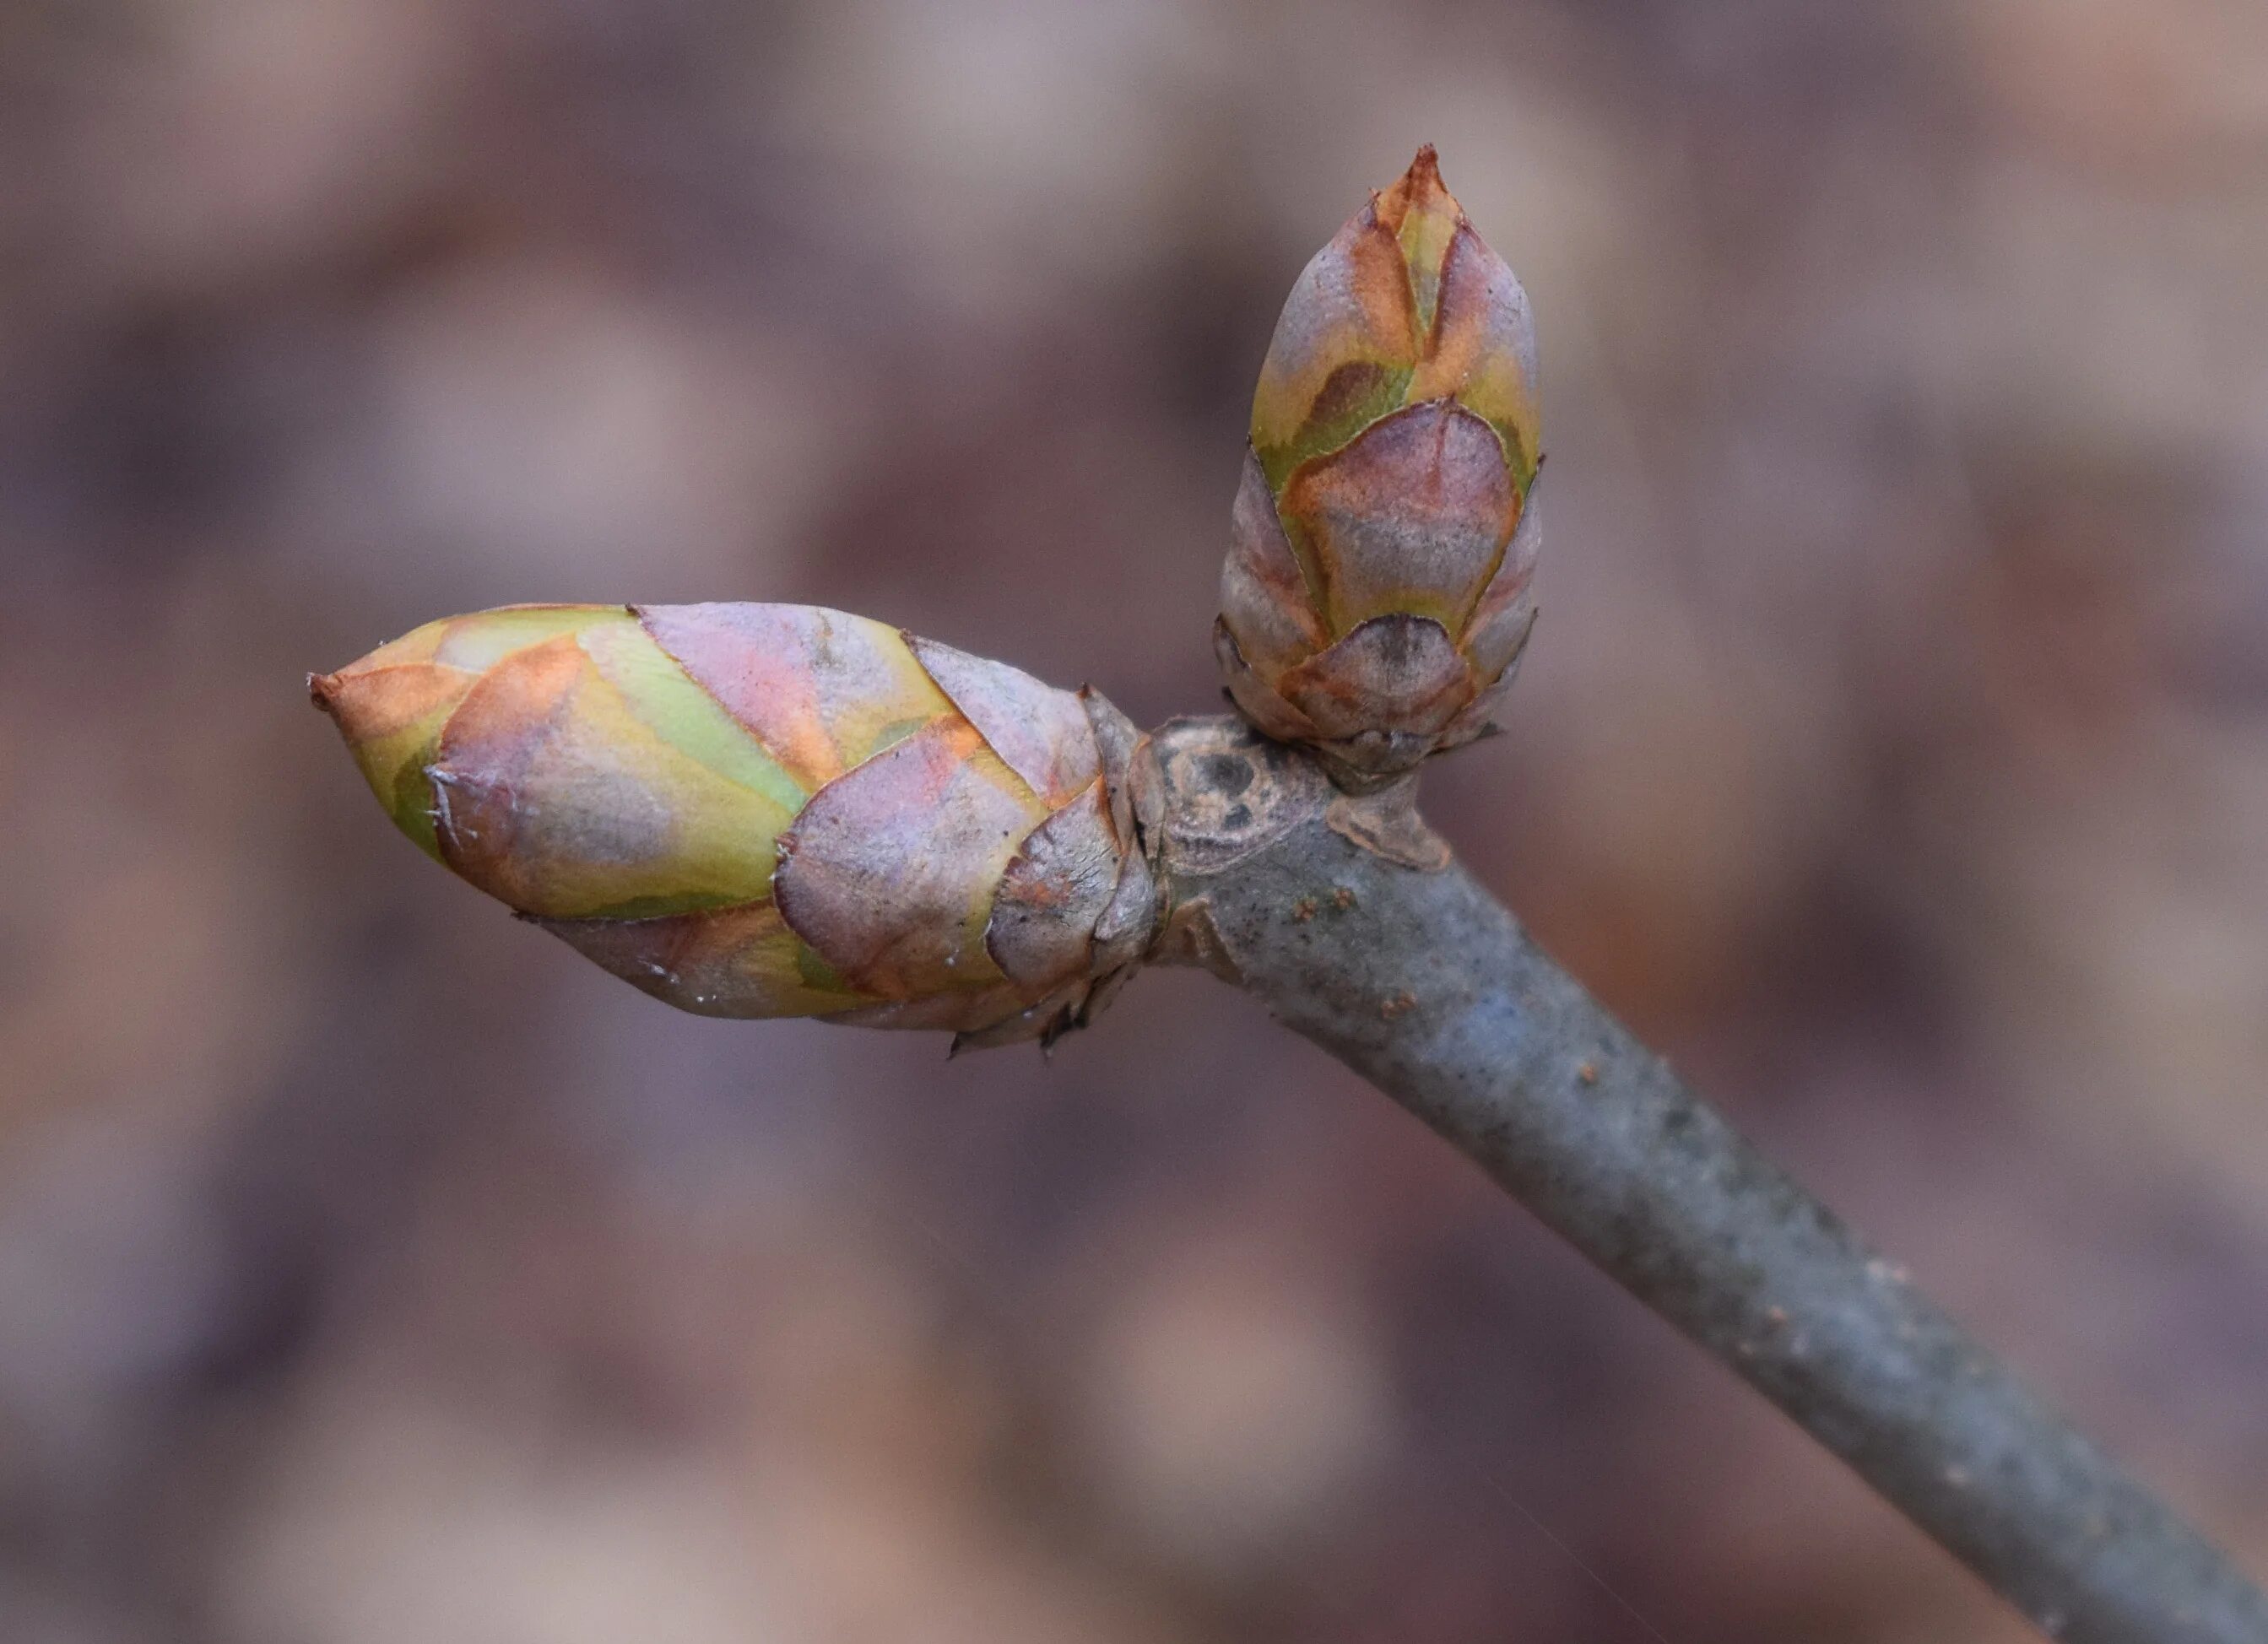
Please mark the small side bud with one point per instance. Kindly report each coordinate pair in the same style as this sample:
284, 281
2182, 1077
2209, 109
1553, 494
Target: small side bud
762, 810
1377, 590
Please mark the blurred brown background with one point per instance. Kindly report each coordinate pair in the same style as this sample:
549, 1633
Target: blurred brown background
1893, 751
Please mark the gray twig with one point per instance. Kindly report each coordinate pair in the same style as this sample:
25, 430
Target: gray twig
1345, 918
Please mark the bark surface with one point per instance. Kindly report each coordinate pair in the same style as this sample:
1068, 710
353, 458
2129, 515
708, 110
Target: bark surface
1348, 921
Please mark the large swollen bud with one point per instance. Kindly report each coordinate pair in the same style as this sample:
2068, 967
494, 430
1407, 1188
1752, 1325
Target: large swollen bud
763, 809
1377, 589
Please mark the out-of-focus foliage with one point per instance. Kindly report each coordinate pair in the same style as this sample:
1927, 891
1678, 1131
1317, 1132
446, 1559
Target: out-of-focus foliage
1893, 748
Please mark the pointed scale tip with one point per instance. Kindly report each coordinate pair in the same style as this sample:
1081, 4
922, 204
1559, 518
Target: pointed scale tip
1418, 189
1422, 184
322, 691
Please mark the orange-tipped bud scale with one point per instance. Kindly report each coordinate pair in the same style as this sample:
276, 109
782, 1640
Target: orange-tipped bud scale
1377, 593
762, 809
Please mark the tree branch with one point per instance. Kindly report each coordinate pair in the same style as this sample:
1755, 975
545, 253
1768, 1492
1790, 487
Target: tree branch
1423, 983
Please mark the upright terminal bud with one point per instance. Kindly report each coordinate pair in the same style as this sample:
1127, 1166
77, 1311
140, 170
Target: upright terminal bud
1377, 589
762, 809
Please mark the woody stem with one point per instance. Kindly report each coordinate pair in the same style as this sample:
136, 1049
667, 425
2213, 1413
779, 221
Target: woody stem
1421, 982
